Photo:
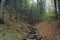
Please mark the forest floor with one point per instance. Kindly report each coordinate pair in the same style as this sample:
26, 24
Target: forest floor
49, 29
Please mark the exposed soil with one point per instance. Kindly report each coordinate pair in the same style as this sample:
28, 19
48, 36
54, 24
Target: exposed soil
49, 29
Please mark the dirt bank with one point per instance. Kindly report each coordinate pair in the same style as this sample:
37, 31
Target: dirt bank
49, 29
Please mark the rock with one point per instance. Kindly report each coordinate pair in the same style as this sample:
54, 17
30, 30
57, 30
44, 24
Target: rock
24, 39
1, 21
39, 38
32, 32
32, 36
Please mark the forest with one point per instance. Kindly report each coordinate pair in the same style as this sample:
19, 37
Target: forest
29, 19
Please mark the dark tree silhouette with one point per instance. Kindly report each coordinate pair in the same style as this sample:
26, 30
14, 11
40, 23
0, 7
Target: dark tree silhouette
10, 7
57, 8
16, 2
2, 11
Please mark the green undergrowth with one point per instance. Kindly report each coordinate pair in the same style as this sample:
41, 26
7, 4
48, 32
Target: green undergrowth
14, 30
47, 15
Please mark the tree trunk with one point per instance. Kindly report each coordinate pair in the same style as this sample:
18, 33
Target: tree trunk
10, 7
2, 11
16, 2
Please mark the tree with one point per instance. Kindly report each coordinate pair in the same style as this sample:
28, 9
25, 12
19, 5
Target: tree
2, 11
55, 4
57, 8
21, 8
26, 7
10, 7
16, 2
41, 7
